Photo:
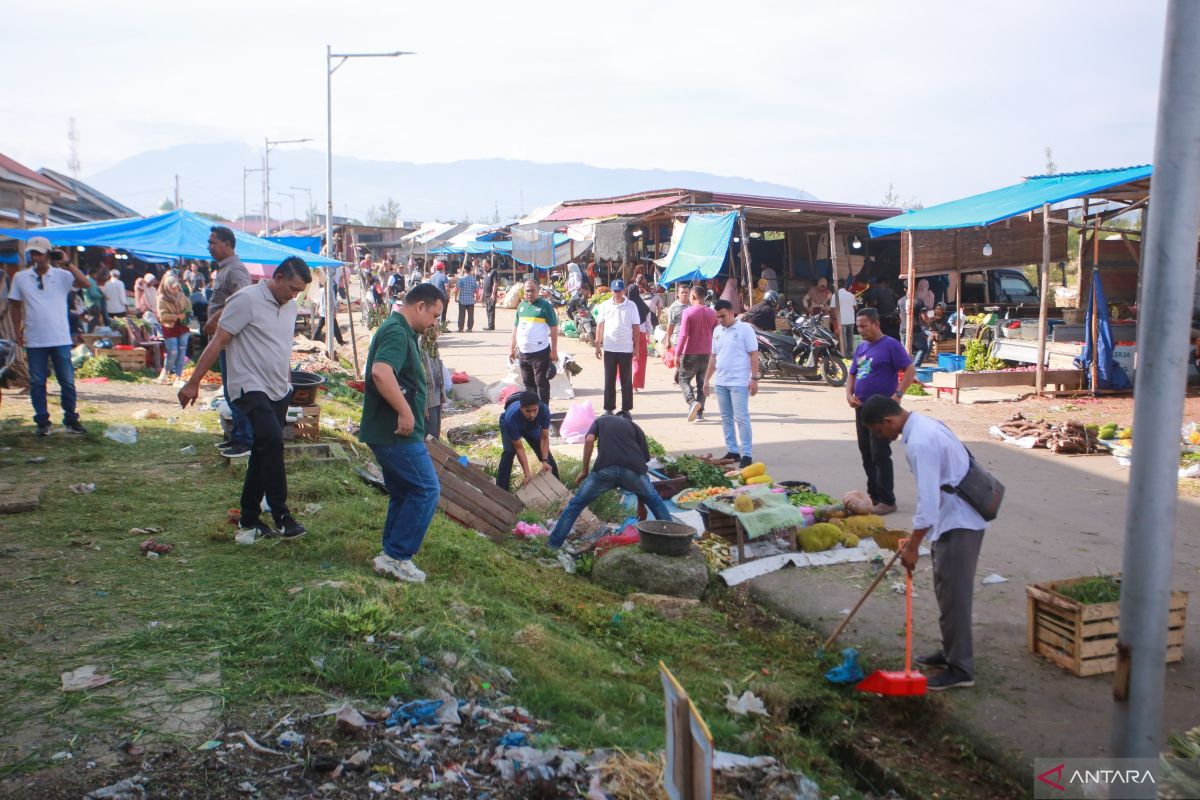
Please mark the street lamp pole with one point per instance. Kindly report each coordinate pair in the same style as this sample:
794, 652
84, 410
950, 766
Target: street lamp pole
267, 172
330, 68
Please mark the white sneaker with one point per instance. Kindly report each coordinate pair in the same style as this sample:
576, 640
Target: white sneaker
400, 570
694, 412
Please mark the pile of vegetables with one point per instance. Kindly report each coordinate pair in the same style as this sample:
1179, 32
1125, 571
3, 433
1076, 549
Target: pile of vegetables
103, 367
814, 499
1093, 591
700, 474
822, 536
980, 358
1067, 437
698, 495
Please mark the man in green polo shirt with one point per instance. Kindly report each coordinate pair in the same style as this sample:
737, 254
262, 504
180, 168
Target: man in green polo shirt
393, 425
535, 341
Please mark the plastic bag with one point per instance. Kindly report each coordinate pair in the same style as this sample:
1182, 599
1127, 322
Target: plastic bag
576, 423
123, 434
669, 358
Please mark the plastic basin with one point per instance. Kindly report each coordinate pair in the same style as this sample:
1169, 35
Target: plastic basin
665, 538
304, 387
948, 362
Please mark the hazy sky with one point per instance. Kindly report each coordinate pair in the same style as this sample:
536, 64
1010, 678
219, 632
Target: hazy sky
940, 98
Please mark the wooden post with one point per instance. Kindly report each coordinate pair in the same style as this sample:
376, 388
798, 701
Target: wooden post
833, 270
957, 300
746, 256
912, 296
1044, 300
1095, 309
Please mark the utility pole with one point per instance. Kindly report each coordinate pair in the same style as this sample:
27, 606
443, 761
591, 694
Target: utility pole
178, 205
267, 174
73, 140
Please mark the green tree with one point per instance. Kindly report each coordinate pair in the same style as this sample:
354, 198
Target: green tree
385, 214
166, 205
1051, 167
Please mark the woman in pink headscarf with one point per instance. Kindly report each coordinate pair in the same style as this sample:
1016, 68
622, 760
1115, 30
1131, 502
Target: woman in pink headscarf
924, 294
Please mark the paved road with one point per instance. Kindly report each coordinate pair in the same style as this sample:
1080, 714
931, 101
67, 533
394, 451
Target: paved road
1063, 517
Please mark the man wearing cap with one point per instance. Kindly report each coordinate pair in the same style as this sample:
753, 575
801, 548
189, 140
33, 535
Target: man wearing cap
617, 335
39, 297
535, 340
441, 281
231, 277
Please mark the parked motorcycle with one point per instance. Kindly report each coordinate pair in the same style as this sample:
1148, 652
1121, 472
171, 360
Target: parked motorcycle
585, 326
809, 352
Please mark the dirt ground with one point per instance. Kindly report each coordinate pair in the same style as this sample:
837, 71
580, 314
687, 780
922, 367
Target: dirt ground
1063, 517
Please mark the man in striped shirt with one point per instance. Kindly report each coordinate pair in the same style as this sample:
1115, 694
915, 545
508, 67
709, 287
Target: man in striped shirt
468, 293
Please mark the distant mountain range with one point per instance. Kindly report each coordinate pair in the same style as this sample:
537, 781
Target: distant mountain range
211, 177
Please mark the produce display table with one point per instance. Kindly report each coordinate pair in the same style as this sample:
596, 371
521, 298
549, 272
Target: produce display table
952, 382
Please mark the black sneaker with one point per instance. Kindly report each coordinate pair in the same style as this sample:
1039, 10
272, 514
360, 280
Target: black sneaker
950, 679
745, 462
221, 445
730, 456
236, 451
936, 660
43, 430
287, 528
75, 427
250, 534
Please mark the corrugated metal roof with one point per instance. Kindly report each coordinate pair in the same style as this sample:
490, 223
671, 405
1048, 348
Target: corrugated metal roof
630, 208
999, 204
19, 173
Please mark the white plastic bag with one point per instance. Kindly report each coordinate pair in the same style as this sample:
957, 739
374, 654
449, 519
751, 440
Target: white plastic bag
576, 423
123, 434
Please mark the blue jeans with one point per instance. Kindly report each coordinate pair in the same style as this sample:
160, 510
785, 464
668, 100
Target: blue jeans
509, 453
40, 361
734, 402
177, 354
413, 491
242, 433
597, 483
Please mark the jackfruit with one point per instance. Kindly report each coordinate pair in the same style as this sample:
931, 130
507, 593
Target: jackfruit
743, 503
849, 540
865, 525
819, 537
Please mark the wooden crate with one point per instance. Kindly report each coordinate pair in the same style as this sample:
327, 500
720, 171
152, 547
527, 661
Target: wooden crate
547, 492
307, 428
130, 360
1083, 639
470, 496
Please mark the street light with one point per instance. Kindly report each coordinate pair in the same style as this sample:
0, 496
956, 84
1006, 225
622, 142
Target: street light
308, 208
331, 68
246, 172
267, 171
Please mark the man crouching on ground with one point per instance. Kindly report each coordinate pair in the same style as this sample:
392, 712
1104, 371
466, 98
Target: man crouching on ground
255, 331
954, 530
395, 386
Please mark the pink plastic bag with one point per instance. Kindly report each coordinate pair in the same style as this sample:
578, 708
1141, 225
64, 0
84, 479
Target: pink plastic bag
576, 423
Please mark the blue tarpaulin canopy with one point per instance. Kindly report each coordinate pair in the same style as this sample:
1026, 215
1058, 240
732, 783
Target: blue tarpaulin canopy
309, 244
473, 248
990, 207
698, 250
176, 234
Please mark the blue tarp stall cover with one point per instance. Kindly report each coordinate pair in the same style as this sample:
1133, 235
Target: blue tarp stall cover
1109, 374
990, 207
176, 234
697, 248
309, 244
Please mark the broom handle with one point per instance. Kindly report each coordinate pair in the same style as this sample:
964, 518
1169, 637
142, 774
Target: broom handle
842, 625
907, 623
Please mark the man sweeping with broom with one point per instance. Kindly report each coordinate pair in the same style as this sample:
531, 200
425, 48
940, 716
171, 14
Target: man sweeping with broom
952, 526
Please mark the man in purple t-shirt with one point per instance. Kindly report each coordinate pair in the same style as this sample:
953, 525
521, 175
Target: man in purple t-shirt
875, 370
694, 350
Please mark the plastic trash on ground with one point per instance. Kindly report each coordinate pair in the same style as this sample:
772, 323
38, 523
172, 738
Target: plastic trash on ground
578, 420
122, 434
849, 671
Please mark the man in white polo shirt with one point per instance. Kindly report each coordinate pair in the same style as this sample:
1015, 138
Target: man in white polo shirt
617, 334
733, 371
39, 297
256, 331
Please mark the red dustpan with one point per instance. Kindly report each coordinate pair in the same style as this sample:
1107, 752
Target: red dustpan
898, 684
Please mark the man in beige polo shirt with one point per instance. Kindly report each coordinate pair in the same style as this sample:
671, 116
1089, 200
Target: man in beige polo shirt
255, 331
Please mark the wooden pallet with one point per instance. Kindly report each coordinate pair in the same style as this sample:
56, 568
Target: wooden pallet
470, 496
130, 360
951, 383
548, 493
1083, 639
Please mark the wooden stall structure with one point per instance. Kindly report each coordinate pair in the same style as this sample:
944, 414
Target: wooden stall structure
470, 496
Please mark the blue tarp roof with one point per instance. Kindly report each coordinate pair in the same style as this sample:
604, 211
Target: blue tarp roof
176, 234
700, 251
984, 209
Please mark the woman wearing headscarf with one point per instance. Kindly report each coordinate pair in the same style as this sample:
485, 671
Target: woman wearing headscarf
925, 294
574, 278
639, 356
174, 312
730, 293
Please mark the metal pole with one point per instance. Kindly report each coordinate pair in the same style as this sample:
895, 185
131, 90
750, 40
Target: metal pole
833, 270
1167, 287
267, 184
330, 290
912, 295
1045, 300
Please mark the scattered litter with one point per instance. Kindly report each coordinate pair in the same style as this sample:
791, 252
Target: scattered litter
146, 413
359, 760
190, 450
246, 787
256, 747
995, 577
211, 744
568, 563
513, 739
83, 678
898, 588
62, 755
153, 555
133, 751
133, 788
371, 475
159, 548
529, 530
849, 671
748, 703
377, 788
36, 460
122, 434
415, 712
83, 488
310, 509
290, 740
144, 531
349, 720
246, 537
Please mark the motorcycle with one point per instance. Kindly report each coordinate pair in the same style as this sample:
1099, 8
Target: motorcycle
585, 325
810, 352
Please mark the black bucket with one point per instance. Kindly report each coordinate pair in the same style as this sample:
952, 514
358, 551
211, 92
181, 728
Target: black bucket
665, 538
305, 386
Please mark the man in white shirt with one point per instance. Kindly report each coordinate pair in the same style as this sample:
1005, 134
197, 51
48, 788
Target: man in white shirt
733, 371
675, 316
953, 528
617, 335
847, 316
39, 298
114, 295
